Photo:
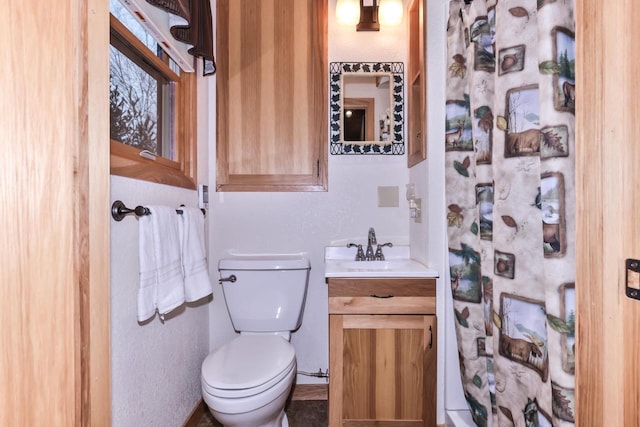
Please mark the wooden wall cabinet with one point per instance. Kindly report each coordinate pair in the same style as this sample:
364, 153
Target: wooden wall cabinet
382, 352
416, 84
272, 95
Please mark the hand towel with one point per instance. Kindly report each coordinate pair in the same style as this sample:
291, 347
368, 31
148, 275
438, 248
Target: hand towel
161, 279
194, 260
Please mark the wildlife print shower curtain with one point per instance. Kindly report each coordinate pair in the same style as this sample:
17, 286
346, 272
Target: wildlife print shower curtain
510, 207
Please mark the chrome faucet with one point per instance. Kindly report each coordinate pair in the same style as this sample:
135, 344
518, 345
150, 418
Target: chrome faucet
369, 256
379, 256
359, 252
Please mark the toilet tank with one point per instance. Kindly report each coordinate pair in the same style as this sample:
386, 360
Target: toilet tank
269, 291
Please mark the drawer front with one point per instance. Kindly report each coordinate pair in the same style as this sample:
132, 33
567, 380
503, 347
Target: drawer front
382, 304
382, 296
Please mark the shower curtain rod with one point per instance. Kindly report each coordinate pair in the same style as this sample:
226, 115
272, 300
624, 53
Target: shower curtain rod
119, 211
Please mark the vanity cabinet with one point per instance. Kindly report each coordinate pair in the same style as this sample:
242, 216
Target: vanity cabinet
382, 352
271, 95
416, 82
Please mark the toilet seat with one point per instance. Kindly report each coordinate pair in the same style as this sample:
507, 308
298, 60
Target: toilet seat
247, 365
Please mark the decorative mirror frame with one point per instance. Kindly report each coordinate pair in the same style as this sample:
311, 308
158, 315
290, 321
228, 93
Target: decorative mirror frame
396, 145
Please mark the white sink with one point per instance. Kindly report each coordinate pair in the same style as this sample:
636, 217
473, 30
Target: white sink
340, 262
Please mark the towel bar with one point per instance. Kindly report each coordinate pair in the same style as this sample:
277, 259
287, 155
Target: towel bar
119, 211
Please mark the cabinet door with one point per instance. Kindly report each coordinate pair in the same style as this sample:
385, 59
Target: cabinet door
383, 370
417, 92
271, 95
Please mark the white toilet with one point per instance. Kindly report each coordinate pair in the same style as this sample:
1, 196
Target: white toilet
246, 382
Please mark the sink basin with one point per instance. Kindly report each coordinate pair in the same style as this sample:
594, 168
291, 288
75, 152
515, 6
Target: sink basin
395, 264
339, 262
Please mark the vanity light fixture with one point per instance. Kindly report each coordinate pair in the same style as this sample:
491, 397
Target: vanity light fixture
368, 14
347, 12
390, 12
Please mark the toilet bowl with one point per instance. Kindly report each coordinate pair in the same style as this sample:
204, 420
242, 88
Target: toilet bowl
247, 381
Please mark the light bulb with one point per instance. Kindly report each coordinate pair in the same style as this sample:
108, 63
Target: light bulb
390, 12
348, 12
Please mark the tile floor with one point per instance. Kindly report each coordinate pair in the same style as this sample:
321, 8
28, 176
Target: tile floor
301, 413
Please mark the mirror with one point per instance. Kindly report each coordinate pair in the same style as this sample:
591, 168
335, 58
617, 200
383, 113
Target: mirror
367, 108
358, 120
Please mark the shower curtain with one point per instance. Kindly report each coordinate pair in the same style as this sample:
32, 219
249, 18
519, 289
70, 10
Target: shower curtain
510, 207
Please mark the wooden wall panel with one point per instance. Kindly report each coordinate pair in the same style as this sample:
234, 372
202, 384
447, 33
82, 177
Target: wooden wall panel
383, 356
410, 350
359, 374
416, 83
430, 371
54, 244
39, 352
336, 364
271, 87
272, 100
96, 399
608, 129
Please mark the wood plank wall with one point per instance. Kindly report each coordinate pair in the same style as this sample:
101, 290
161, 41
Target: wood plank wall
37, 242
263, 48
608, 231
54, 357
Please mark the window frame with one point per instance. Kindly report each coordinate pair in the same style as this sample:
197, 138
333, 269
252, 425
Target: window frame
126, 160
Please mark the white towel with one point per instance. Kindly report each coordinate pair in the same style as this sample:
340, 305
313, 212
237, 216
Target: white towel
161, 279
194, 260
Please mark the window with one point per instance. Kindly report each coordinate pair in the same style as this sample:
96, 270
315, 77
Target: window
152, 107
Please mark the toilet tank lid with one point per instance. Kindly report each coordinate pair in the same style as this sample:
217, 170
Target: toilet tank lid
264, 262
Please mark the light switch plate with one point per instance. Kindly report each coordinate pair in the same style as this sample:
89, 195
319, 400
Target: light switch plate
388, 197
203, 196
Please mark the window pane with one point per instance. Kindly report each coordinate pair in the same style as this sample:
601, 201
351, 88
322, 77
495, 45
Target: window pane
141, 106
131, 22
141, 98
128, 20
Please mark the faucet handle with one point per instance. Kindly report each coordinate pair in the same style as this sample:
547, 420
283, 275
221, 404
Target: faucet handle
360, 253
379, 255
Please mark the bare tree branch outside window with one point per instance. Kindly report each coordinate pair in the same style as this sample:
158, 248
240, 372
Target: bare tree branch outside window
135, 93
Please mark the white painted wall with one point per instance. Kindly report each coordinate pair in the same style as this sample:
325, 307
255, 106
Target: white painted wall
283, 222
291, 222
449, 374
155, 367
429, 178
428, 239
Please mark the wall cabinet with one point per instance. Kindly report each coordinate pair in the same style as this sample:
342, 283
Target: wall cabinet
416, 84
271, 94
382, 352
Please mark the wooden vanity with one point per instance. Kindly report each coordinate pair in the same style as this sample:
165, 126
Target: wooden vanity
382, 352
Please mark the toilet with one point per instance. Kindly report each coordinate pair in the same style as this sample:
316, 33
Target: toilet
247, 381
